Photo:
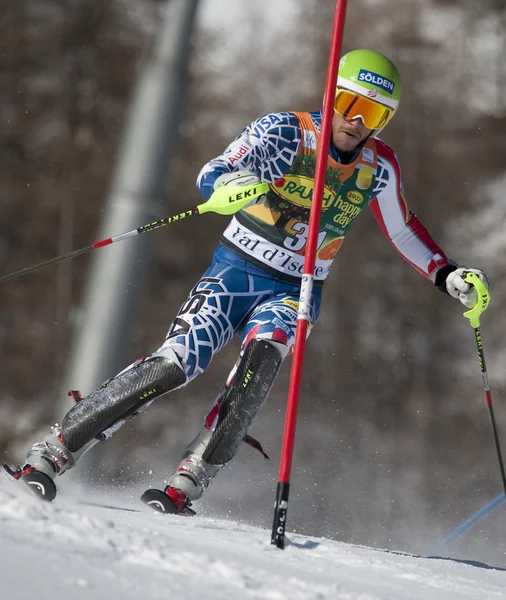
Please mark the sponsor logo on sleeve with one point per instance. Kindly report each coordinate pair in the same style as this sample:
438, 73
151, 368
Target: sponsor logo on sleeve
233, 158
377, 80
262, 125
237, 150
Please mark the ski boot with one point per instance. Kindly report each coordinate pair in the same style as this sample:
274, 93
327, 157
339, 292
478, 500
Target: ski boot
38, 482
51, 456
191, 479
44, 461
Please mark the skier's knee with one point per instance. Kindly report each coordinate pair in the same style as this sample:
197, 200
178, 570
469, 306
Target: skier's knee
169, 353
120, 398
282, 348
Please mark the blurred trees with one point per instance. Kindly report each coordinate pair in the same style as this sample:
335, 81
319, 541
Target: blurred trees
393, 435
61, 113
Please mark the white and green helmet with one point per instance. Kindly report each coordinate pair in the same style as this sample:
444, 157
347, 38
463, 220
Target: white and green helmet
372, 75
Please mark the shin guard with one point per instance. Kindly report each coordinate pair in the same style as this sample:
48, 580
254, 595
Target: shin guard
118, 399
243, 400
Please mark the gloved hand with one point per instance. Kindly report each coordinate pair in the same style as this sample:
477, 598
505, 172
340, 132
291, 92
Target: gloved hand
237, 178
240, 178
458, 288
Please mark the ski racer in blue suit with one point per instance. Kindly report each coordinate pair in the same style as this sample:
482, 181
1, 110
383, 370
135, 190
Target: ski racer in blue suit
252, 286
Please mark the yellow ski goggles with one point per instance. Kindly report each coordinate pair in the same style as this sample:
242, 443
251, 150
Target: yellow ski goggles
351, 105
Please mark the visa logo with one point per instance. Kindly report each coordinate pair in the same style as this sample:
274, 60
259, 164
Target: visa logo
263, 124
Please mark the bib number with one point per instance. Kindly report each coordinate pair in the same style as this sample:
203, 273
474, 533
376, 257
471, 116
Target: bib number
297, 243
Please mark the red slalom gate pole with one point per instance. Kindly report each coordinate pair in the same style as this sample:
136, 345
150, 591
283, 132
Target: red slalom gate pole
306, 288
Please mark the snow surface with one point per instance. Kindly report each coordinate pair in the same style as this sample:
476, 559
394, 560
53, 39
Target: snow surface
85, 549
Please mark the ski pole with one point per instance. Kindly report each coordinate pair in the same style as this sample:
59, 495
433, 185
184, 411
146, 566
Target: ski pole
467, 524
225, 200
474, 319
303, 315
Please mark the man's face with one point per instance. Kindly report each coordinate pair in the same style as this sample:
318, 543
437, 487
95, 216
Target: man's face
347, 134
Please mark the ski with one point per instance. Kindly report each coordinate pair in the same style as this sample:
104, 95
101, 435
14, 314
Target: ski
163, 503
108, 506
40, 484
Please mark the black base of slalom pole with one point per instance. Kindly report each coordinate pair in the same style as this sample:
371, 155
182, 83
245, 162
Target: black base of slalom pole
280, 510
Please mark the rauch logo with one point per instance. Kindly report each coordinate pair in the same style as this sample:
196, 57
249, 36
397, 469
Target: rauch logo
377, 80
299, 190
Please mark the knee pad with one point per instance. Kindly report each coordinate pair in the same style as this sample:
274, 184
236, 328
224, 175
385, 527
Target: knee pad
282, 348
243, 400
118, 399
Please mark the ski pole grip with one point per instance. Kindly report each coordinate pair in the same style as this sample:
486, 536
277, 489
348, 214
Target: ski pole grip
483, 299
229, 199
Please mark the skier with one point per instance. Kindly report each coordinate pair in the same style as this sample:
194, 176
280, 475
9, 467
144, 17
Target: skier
252, 287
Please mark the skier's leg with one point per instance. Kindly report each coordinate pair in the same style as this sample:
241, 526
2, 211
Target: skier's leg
204, 324
268, 339
98, 415
239, 406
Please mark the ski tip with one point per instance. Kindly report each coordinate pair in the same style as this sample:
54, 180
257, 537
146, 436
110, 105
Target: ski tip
38, 483
160, 502
41, 485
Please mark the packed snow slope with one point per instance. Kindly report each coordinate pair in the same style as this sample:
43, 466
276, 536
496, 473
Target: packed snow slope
88, 552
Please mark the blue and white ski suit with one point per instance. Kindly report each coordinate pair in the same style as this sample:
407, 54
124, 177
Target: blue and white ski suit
252, 287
